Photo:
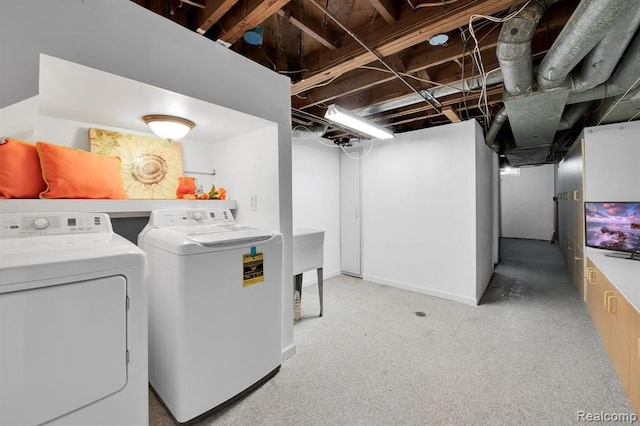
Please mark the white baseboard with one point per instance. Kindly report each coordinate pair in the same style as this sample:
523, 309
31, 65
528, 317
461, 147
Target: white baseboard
431, 292
288, 352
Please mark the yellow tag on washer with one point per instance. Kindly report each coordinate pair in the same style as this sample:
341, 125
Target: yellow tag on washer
253, 269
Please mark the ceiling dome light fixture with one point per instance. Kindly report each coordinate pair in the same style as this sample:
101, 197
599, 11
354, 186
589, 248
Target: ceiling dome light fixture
168, 126
439, 40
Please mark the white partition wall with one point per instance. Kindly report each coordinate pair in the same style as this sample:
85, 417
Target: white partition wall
428, 212
127, 40
527, 203
316, 197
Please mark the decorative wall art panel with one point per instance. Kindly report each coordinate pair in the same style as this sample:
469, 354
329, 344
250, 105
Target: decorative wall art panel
150, 166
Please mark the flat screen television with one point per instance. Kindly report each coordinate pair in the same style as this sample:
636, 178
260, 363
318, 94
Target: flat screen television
613, 226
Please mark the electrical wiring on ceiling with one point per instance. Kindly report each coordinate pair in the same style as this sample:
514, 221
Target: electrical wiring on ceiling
334, 145
478, 55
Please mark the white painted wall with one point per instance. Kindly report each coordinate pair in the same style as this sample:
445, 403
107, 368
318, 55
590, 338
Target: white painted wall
419, 212
125, 39
612, 170
316, 198
247, 165
527, 203
484, 211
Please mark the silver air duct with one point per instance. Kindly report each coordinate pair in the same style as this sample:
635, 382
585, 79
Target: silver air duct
589, 23
308, 132
599, 64
514, 47
497, 124
624, 77
572, 114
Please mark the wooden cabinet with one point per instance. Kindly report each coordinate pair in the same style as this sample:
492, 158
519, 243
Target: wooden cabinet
618, 324
592, 169
634, 364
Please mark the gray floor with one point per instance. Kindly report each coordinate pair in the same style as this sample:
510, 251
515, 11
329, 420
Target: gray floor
529, 354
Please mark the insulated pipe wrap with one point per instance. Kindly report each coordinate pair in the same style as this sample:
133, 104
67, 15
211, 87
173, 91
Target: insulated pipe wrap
497, 124
599, 64
589, 23
514, 47
624, 77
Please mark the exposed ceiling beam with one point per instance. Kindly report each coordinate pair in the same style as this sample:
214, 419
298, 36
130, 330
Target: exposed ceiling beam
387, 9
309, 25
245, 16
420, 58
425, 57
494, 95
415, 28
212, 12
447, 73
451, 114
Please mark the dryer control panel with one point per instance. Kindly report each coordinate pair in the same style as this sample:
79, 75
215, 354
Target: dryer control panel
36, 224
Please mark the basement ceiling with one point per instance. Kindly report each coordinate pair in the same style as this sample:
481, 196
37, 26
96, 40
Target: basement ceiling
374, 57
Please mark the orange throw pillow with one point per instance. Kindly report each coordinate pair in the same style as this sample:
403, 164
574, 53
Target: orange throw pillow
20, 173
74, 173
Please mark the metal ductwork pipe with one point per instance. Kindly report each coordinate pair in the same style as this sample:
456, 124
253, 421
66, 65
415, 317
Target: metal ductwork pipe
497, 124
589, 23
599, 64
624, 77
438, 92
514, 47
572, 114
307, 132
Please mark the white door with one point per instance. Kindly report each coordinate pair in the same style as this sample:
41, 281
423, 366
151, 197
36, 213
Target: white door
350, 214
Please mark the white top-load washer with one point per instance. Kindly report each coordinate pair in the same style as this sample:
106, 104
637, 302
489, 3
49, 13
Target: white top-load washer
73, 322
215, 307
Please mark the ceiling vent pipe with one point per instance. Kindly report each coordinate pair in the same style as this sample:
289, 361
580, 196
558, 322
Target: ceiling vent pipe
472, 83
589, 23
599, 64
623, 79
497, 124
514, 47
308, 132
572, 114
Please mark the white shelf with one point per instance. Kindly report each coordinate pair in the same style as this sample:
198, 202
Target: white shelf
115, 208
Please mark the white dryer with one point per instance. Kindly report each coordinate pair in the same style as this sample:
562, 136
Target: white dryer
215, 308
73, 322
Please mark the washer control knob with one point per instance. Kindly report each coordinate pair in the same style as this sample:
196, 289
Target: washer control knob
40, 223
197, 216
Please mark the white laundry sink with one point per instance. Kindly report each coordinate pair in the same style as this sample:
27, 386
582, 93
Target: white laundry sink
308, 244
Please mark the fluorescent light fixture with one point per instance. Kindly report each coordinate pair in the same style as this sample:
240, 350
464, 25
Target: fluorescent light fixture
355, 122
168, 126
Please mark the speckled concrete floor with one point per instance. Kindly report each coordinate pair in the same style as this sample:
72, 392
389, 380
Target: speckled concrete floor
529, 354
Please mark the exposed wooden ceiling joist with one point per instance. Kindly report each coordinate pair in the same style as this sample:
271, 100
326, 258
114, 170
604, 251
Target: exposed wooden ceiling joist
415, 28
245, 16
387, 9
451, 114
309, 25
425, 57
212, 12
